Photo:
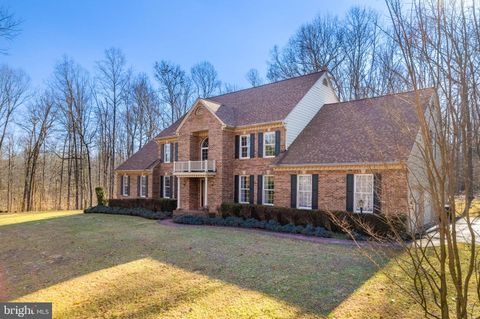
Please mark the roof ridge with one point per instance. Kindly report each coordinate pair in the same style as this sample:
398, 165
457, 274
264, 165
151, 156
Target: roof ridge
266, 84
384, 95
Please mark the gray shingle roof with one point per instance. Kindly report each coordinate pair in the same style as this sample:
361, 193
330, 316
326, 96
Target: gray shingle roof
145, 158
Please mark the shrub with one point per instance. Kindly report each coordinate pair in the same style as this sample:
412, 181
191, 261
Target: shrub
101, 200
156, 205
317, 218
271, 225
141, 212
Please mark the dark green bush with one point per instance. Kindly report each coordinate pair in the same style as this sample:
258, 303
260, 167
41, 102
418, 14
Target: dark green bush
156, 205
318, 218
101, 198
271, 225
141, 212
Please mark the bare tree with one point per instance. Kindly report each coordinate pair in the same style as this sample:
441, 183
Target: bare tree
205, 79
9, 26
174, 87
254, 78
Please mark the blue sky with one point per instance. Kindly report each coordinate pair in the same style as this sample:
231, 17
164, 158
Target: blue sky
233, 36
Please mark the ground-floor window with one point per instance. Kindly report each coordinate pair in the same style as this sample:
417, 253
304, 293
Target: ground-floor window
363, 193
167, 186
268, 189
125, 185
143, 186
244, 189
304, 191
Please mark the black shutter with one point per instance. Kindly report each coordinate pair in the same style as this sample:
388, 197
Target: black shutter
293, 191
161, 186
277, 143
235, 195
315, 191
138, 186
260, 190
252, 189
121, 184
260, 144
146, 186
171, 152
128, 185
162, 149
350, 178
252, 145
176, 152
237, 145
377, 193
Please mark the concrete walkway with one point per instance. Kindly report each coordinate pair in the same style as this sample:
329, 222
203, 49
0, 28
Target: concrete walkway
463, 233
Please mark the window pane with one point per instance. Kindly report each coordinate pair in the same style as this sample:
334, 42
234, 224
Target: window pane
268, 189
305, 191
244, 189
363, 193
269, 144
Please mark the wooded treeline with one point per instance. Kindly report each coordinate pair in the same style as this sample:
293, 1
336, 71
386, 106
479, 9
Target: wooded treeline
58, 144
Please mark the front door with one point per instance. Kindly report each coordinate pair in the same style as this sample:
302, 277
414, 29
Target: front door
202, 193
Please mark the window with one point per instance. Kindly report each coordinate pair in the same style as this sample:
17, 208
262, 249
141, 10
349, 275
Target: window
269, 144
244, 189
125, 185
143, 186
363, 193
268, 189
244, 146
167, 153
167, 187
204, 149
304, 191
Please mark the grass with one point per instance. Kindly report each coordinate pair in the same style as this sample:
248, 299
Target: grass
106, 266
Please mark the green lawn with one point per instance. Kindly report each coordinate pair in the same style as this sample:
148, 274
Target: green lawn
106, 266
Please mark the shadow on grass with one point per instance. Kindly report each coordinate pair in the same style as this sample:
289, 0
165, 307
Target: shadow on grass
312, 278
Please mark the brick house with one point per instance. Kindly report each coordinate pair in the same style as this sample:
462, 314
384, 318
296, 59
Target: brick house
290, 143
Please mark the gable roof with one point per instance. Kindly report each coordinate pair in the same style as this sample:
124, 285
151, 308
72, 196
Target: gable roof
373, 130
144, 159
266, 103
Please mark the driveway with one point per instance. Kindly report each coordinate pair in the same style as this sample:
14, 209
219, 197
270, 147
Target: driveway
463, 233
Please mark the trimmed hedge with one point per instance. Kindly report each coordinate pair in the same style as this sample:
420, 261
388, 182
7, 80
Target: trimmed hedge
156, 205
270, 225
141, 212
318, 218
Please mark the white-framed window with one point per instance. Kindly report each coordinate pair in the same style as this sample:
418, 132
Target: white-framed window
167, 153
244, 189
268, 189
363, 193
269, 144
143, 186
244, 146
304, 191
204, 150
125, 185
167, 186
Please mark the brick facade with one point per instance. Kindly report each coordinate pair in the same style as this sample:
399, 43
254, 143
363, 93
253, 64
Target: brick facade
201, 123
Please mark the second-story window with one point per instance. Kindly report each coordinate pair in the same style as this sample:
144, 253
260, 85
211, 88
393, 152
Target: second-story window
244, 146
269, 144
167, 153
204, 150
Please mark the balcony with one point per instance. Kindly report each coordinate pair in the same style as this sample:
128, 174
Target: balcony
194, 168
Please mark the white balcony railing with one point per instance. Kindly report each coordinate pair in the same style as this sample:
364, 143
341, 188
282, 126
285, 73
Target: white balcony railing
194, 166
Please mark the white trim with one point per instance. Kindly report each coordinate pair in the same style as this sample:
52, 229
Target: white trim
208, 104
298, 191
167, 154
240, 146
247, 179
143, 182
264, 189
265, 144
355, 193
169, 186
125, 183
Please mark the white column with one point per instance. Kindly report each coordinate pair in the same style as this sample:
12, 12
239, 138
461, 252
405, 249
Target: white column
206, 192
178, 192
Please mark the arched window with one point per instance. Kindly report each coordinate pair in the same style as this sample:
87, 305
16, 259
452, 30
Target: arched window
204, 149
